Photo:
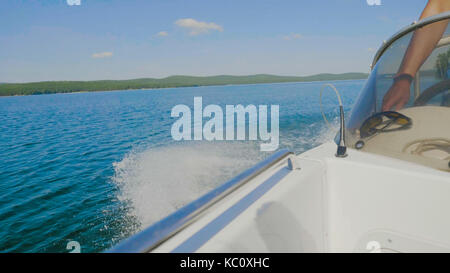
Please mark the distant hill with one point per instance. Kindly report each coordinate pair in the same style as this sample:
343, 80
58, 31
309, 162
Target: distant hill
49, 87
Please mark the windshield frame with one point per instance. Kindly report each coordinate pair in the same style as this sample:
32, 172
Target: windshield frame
415, 25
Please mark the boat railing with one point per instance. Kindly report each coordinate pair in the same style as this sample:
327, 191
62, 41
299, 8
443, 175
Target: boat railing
155, 235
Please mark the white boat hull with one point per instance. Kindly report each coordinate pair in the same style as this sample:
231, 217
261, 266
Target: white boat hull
361, 203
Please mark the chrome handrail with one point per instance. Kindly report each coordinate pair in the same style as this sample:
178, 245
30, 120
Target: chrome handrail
158, 233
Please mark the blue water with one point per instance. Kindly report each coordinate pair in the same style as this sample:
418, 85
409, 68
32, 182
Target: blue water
97, 167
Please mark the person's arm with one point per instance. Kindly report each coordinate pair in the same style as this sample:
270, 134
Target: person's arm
422, 44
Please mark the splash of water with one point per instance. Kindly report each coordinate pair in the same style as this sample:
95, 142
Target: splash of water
155, 182
158, 181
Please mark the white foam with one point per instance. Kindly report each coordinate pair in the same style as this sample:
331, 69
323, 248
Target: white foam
158, 181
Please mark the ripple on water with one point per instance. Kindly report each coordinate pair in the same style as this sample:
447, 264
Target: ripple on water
97, 167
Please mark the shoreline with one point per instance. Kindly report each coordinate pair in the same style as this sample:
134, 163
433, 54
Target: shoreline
187, 86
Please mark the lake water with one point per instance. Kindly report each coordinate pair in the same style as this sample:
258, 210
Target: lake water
98, 167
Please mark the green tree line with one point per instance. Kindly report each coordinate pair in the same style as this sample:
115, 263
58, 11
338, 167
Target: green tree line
49, 87
442, 64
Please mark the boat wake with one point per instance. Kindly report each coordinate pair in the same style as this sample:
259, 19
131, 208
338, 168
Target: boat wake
157, 181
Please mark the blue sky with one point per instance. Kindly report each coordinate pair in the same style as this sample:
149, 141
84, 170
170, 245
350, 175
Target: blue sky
122, 39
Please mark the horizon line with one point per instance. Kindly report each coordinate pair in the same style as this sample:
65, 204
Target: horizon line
187, 75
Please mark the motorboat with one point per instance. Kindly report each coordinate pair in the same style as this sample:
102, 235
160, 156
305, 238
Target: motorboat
382, 186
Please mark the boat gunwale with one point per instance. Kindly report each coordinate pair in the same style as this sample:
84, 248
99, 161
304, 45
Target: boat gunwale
158, 233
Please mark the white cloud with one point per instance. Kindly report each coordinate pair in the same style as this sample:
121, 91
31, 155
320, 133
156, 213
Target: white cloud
196, 27
293, 36
162, 33
105, 54
371, 49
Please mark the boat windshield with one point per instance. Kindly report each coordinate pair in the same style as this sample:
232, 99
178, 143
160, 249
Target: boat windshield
419, 131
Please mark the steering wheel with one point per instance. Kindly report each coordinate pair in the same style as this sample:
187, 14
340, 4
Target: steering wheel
388, 121
431, 92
